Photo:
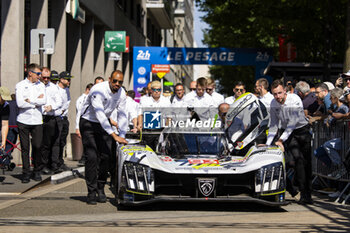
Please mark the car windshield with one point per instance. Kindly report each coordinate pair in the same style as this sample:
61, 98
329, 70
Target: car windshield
178, 144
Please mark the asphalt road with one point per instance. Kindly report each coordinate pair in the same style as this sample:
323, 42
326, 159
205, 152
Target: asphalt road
62, 208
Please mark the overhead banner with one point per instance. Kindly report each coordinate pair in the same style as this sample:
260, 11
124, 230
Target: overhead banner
145, 57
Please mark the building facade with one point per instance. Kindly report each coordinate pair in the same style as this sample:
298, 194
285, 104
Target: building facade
79, 44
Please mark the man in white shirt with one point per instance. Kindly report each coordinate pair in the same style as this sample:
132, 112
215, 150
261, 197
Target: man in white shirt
98, 135
178, 98
287, 111
261, 88
200, 104
79, 105
133, 111
61, 115
158, 103
238, 90
218, 99
30, 97
50, 132
148, 93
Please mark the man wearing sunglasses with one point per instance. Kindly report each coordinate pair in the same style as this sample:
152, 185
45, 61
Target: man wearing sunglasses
218, 99
238, 90
199, 103
193, 85
98, 135
50, 133
30, 97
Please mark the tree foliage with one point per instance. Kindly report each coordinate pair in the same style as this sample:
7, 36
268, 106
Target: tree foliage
315, 27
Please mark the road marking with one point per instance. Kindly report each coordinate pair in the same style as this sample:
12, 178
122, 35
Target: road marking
36, 193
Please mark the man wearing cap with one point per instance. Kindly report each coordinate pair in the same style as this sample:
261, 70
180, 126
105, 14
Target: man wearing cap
62, 122
50, 132
54, 78
30, 97
98, 135
4, 115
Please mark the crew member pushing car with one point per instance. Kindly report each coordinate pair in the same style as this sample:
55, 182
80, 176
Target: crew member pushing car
287, 111
97, 134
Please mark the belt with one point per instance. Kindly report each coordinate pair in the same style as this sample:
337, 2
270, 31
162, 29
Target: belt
62, 117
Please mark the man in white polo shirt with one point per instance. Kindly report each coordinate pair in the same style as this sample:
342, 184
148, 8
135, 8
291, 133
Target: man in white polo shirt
98, 135
199, 103
287, 117
30, 97
218, 98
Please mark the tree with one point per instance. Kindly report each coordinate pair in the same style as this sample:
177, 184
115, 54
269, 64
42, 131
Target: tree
316, 28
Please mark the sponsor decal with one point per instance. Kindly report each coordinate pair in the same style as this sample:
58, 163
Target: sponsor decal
203, 161
206, 186
205, 166
141, 80
128, 197
143, 55
166, 159
141, 70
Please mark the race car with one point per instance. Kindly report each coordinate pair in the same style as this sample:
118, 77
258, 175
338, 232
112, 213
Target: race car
206, 164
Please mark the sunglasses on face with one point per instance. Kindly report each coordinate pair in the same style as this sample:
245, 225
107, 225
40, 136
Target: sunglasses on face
157, 89
192, 89
223, 114
179, 90
37, 73
45, 77
117, 81
209, 89
241, 90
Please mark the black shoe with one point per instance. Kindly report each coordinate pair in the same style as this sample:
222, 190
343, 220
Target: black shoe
101, 196
63, 167
46, 171
305, 199
56, 170
91, 199
293, 192
25, 178
81, 162
37, 176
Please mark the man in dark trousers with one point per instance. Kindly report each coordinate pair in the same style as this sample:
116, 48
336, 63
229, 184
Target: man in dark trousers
287, 113
30, 97
97, 134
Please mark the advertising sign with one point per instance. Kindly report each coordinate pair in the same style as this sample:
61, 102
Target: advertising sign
145, 57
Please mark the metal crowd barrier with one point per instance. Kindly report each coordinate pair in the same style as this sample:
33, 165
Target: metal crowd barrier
340, 172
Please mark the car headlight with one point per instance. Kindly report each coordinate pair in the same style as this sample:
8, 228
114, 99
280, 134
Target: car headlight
270, 178
138, 178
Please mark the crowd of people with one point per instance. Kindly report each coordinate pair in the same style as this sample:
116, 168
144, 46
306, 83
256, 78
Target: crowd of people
106, 111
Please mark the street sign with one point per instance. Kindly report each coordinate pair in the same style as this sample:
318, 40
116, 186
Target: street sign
48, 40
114, 56
115, 41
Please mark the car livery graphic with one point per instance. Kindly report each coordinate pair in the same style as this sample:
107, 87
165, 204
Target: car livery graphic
205, 164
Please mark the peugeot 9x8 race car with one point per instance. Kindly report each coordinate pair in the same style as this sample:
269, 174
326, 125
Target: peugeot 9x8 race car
206, 164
